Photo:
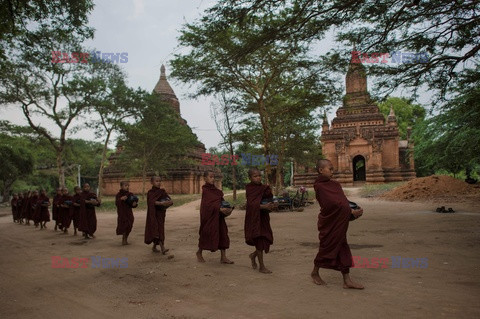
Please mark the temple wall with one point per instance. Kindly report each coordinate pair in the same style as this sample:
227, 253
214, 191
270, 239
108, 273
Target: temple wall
190, 183
390, 154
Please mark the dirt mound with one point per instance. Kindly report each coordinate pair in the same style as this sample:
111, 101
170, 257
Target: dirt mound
435, 187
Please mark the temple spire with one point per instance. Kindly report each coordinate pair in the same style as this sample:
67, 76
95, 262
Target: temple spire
392, 119
163, 87
325, 125
165, 91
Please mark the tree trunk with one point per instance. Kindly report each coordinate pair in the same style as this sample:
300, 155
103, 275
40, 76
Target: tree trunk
6, 191
102, 163
144, 177
61, 171
279, 175
266, 137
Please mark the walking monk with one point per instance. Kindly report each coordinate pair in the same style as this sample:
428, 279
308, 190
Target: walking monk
157, 203
213, 229
88, 218
125, 201
13, 204
55, 201
65, 210
42, 209
333, 219
20, 204
77, 198
258, 232
31, 208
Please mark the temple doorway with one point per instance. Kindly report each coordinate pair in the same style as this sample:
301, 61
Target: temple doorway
359, 170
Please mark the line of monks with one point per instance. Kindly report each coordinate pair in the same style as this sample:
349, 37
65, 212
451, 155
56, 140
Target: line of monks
78, 209
333, 219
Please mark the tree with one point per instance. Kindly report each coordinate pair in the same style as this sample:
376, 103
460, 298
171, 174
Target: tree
157, 141
114, 105
255, 79
44, 174
16, 162
18, 16
50, 95
444, 31
407, 114
226, 120
451, 140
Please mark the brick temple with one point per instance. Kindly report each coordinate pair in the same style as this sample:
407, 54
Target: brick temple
362, 145
187, 179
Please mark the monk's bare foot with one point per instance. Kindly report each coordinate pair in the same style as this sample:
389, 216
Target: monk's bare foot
226, 261
264, 270
155, 250
200, 257
252, 258
352, 285
124, 243
317, 280
165, 251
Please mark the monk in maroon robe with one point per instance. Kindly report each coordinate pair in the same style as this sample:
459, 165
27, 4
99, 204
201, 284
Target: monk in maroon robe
333, 219
213, 228
36, 212
124, 211
55, 208
88, 217
43, 214
157, 203
13, 205
65, 210
77, 198
32, 203
26, 206
20, 208
257, 228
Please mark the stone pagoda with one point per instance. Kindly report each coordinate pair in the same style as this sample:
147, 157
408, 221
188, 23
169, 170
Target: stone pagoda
187, 179
362, 145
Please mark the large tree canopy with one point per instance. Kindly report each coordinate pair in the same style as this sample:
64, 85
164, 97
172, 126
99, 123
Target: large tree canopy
448, 32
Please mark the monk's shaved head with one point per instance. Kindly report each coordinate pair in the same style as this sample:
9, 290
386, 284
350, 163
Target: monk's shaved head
321, 163
252, 171
123, 183
205, 173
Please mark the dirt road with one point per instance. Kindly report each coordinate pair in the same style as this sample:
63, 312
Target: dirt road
156, 287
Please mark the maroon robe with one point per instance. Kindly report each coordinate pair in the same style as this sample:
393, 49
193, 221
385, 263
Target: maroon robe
125, 214
25, 206
88, 218
13, 204
41, 212
213, 228
76, 210
20, 202
64, 214
55, 201
36, 211
333, 220
155, 223
257, 228
32, 205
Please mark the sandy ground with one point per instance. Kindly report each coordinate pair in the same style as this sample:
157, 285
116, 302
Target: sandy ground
156, 287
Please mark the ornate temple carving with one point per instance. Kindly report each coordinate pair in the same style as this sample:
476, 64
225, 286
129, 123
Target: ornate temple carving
362, 145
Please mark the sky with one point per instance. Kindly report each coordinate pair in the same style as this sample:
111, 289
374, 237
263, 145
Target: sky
148, 30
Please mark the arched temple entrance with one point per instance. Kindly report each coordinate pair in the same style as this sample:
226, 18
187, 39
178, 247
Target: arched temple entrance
359, 169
